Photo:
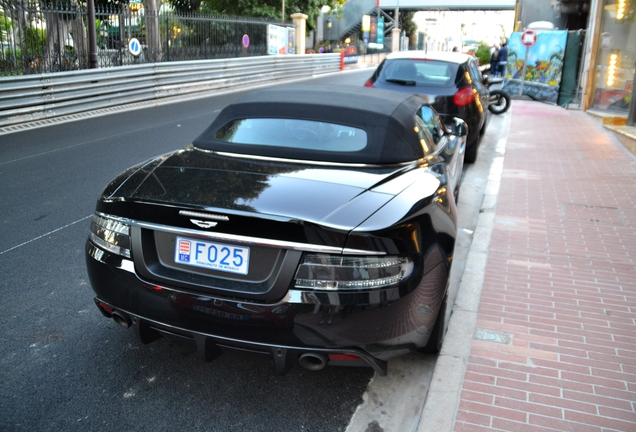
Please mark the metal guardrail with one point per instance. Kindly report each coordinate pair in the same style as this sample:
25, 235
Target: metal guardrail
37, 97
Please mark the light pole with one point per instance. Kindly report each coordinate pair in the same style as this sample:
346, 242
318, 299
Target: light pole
92, 40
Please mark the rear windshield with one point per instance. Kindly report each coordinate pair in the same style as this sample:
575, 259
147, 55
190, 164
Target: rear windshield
429, 73
293, 133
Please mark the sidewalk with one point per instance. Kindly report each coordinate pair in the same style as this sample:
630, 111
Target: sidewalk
545, 338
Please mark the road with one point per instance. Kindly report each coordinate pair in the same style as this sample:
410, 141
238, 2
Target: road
63, 366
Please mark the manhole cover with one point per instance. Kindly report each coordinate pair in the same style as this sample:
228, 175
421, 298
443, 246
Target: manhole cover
588, 213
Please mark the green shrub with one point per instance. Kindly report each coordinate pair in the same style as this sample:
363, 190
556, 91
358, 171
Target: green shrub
483, 53
35, 40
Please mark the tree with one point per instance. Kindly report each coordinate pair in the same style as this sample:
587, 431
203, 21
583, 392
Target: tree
153, 37
63, 19
407, 24
185, 5
271, 9
6, 28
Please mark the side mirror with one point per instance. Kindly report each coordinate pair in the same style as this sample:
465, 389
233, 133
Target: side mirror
460, 127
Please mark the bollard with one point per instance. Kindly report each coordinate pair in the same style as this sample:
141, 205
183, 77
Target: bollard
341, 60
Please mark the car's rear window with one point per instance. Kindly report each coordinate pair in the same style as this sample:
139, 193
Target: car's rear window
293, 133
429, 73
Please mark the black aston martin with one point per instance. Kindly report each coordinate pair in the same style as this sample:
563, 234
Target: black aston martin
315, 225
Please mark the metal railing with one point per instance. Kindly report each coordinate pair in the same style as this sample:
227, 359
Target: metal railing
46, 37
42, 96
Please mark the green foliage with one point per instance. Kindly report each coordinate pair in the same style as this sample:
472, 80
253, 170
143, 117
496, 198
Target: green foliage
185, 5
483, 53
35, 40
82, 3
6, 25
407, 24
103, 3
270, 9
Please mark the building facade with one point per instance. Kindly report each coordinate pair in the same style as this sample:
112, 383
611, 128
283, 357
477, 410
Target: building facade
611, 55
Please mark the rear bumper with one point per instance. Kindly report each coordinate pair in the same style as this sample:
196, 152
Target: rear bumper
211, 346
374, 326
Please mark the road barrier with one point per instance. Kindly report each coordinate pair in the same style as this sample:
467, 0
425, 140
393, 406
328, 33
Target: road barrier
42, 96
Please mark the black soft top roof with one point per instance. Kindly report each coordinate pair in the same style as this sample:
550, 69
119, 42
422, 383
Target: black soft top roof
387, 117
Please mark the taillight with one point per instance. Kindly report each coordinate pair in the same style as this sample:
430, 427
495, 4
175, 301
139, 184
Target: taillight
349, 273
111, 234
464, 97
368, 83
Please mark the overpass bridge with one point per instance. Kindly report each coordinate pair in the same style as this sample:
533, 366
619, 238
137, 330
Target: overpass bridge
453, 5
353, 10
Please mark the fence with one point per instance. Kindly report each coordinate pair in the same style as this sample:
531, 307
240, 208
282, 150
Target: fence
37, 39
39, 97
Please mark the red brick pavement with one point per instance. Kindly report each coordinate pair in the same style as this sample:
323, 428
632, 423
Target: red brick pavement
560, 285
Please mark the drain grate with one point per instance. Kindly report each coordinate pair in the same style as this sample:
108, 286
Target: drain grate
588, 213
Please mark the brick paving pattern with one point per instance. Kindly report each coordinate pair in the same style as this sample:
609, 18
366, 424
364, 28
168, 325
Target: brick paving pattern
555, 346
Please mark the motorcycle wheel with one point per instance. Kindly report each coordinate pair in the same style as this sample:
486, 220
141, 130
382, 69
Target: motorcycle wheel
499, 102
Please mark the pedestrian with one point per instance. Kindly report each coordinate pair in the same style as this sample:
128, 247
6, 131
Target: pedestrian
494, 62
503, 58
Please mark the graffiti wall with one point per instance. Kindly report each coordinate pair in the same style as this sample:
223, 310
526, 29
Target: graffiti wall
543, 69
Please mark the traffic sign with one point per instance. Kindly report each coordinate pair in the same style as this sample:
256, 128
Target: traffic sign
246, 41
134, 47
529, 38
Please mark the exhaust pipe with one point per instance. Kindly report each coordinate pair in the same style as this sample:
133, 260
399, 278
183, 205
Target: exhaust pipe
121, 319
313, 362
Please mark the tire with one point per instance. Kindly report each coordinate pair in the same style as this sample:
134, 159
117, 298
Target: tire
471, 152
499, 102
434, 344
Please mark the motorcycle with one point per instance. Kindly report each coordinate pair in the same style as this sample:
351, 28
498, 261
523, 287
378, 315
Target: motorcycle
499, 99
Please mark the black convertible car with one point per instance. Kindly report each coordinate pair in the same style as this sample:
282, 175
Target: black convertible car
451, 82
315, 225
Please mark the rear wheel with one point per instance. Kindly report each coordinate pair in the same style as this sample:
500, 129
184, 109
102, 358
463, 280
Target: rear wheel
499, 102
471, 152
471, 148
434, 344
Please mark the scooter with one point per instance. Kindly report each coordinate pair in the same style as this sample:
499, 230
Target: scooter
499, 99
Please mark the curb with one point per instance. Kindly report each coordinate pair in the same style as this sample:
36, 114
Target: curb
444, 395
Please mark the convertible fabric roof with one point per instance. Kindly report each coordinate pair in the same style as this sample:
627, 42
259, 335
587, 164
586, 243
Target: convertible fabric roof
387, 117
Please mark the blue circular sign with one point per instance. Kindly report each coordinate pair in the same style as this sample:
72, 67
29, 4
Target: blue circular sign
246, 41
134, 47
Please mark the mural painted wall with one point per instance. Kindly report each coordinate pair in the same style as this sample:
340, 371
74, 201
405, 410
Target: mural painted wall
544, 68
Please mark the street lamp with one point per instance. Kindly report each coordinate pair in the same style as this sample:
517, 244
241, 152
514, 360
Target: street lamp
328, 29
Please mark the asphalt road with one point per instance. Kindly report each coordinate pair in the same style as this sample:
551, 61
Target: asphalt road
65, 367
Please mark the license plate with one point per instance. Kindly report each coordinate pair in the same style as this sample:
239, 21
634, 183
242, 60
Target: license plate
213, 256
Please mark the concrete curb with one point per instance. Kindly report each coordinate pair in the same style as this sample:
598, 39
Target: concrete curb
442, 401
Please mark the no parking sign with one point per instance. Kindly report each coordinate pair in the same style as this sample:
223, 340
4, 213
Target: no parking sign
529, 38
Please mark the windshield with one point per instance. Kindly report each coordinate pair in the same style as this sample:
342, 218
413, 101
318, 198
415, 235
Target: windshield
414, 72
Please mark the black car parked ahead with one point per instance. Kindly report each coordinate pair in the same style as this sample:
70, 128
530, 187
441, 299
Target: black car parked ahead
452, 83
316, 225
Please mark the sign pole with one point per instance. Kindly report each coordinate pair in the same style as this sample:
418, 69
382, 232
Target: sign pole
528, 38
523, 72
